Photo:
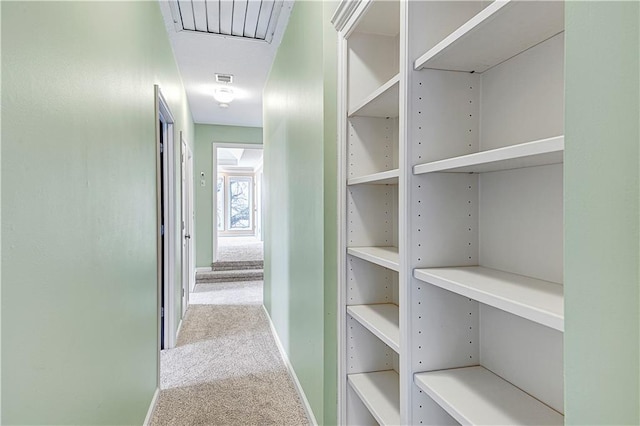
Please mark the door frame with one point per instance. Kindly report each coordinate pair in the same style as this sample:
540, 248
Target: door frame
165, 201
187, 223
214, 185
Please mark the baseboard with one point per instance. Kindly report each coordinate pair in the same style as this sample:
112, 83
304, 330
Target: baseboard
152, 407
292, 373
178, 330
203, 269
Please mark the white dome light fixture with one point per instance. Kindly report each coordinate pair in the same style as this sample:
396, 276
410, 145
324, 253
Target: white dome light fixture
224, 95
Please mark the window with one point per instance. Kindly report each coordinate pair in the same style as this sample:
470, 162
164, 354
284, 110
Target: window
240, 205
234, 203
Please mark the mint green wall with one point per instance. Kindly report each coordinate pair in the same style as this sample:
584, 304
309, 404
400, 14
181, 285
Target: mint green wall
602, 190
330, 52
79, 293
205, 136
300, 218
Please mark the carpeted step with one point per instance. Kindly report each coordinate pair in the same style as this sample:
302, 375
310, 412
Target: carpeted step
227, 276
237, 265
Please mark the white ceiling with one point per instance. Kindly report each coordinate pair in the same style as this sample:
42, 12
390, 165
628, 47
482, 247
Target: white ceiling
231, 159
200, 55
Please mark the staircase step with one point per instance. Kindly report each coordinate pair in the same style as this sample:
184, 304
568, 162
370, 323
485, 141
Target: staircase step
225, 276
237, 265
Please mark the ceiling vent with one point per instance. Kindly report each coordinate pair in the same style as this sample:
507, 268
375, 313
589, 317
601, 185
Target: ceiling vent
251, 19
224, 78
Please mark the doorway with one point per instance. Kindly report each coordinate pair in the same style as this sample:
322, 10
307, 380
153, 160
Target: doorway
238, 210
166, 214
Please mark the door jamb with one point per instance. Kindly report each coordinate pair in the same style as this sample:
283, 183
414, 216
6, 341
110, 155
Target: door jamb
163, 113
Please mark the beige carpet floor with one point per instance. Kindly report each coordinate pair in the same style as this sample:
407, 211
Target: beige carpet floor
226, 368
240, 249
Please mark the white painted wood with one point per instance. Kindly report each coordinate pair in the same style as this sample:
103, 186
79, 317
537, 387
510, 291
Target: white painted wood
382, 17
425, 411
476, 396
444, 115
292, 372
343, 392
367, 283
500, 31
152, 407
356, 413
383, 256
521, 222
372, 61
524, 353
365, 352
372, 215
389, 177
383, 102
372, 145
530, 154
444, 220
379, 391
523, 98
444, 329
535, 300
381, 320
430, 22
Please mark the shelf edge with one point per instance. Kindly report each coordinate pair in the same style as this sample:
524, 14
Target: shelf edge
462, 31
528, 312
512, 152
374, 95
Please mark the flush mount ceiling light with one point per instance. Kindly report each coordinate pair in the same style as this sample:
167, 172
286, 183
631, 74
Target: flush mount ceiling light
224, 95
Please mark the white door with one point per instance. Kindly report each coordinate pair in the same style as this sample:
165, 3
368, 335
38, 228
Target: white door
187, 223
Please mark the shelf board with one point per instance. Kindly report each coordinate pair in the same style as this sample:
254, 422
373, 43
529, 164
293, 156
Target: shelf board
536, 300
500, 31
380, 393
383, 102
476, 396
530, 154
380, 319
384, 256
390, 177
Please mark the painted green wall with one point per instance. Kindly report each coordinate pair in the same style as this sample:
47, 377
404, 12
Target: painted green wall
602, 211
300, 218
205, 136
79, 292
330, 52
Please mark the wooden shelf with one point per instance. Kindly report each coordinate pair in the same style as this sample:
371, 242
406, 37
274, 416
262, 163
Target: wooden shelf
381, 319
383, 102
383, 256
530, 154
380, 393
536, 300
476, 396
390, 177
500, 31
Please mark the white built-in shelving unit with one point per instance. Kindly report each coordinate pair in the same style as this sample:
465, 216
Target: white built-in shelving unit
451, 200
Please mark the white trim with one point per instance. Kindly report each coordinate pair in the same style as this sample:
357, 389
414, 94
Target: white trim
152, 407
167, 168
343, 13
214, 185
179, 328
342, 231
204, 269
292, 373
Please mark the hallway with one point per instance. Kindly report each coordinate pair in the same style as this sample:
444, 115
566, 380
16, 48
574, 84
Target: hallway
226, 368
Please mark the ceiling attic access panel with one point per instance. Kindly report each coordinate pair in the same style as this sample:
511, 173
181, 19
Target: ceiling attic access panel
250, 19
